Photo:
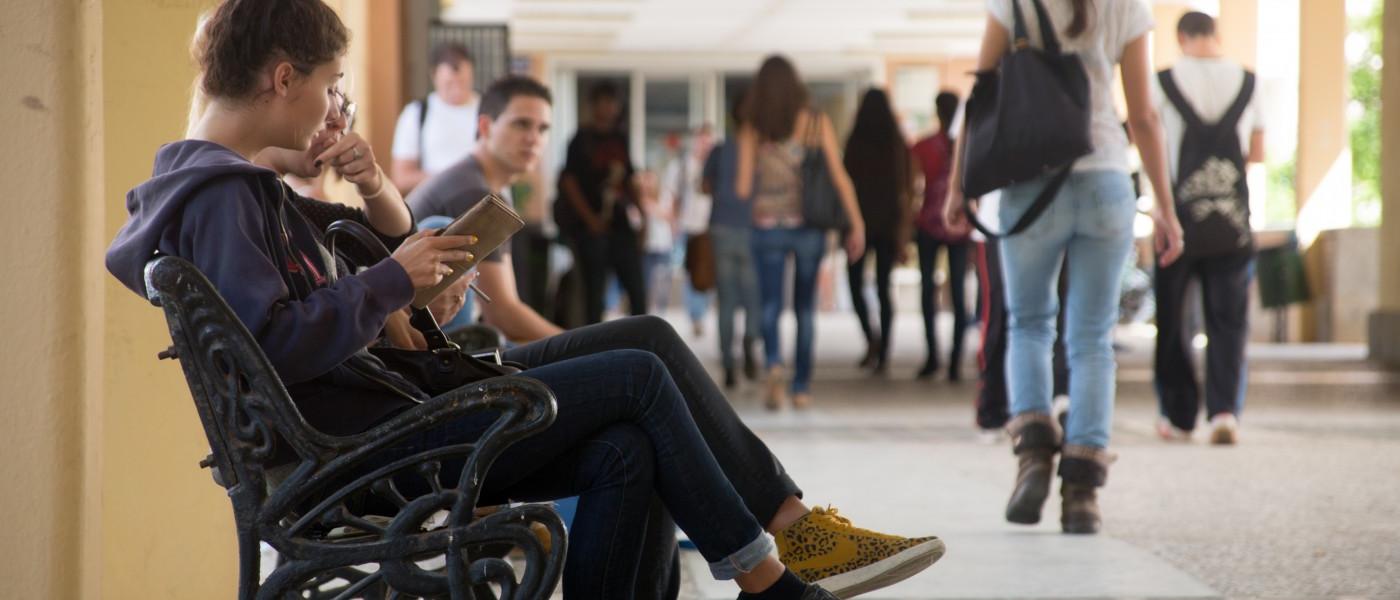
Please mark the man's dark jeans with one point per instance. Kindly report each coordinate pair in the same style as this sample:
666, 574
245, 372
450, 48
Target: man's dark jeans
1224, 285
616, 409
756, 474
614, 252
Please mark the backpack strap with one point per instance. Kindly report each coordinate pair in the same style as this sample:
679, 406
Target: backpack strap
1178, 101
422, 121
1232, 116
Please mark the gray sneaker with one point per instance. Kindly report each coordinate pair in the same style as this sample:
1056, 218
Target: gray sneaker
815, 592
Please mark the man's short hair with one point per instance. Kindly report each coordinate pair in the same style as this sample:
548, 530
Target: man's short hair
1196, 24
494, 101
602, 90
945, 104
450, 53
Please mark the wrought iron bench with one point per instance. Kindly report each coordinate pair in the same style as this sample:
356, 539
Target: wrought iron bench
303, 508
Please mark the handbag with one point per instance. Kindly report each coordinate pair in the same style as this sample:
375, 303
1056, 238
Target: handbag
700, 261
1028, 117
821, 203
444, 366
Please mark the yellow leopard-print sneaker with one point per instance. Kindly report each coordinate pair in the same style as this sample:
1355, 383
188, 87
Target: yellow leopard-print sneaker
824, 548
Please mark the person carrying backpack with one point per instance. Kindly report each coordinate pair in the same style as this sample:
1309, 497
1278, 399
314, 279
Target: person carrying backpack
1214, 126
438, 130
1087, 222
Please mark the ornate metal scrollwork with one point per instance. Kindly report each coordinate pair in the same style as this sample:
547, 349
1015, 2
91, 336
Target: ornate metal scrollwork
306, 493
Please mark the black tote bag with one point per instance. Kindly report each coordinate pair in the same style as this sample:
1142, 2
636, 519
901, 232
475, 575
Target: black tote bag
1026, 118
821, 203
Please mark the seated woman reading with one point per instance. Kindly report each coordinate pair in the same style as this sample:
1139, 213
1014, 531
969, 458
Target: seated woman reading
269, 70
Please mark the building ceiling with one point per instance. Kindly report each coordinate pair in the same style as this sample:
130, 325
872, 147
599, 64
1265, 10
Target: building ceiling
732, 27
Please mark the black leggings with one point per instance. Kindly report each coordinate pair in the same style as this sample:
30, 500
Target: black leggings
957, 277
884, 251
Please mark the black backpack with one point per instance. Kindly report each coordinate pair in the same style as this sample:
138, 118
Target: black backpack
1212, 195
1028, 117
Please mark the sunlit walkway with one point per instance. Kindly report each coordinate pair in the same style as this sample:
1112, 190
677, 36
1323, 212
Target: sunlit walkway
1304, 507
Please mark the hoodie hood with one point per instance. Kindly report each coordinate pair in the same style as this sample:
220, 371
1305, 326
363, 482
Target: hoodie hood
181, 168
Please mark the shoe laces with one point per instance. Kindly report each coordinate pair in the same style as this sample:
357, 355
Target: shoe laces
831, 514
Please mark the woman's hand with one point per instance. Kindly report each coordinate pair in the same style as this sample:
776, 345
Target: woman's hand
954, 216
353, 159
447, 304
424, 256
855, 242
1166, 236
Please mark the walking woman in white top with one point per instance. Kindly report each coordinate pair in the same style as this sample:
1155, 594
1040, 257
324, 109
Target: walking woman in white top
1090, 225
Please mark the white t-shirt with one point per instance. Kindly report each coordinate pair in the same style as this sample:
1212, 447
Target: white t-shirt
1114, 24
1210, 86
449, 134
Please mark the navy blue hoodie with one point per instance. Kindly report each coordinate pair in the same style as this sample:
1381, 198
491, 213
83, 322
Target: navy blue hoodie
238, 223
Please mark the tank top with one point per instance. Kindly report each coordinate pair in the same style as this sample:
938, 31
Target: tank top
778, 197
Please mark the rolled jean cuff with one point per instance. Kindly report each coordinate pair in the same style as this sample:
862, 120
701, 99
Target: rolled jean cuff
746, 559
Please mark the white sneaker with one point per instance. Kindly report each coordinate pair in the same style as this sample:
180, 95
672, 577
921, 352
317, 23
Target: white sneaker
991, 437
1059, 408
1171, 433
1224, 429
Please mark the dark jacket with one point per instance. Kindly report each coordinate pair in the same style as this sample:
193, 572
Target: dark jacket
246, 231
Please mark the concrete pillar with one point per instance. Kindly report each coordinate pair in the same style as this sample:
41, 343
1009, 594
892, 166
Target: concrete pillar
383, 91
1238, 25
1322, 100
1323, 184
1384, 330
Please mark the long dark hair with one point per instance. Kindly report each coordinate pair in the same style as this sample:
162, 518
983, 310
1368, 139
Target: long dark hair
774, 99
875, 148
1080, 23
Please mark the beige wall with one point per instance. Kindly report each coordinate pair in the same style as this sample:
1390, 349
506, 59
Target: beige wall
44, 306
166, 528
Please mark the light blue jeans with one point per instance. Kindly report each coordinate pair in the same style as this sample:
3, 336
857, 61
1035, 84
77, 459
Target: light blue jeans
1091, 223
771, 248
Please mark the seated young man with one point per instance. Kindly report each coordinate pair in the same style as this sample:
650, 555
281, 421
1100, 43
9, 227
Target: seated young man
510, 123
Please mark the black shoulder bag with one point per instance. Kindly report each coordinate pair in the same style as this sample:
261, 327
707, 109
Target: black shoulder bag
1212, 194
821, 203
441, 368
1026, 118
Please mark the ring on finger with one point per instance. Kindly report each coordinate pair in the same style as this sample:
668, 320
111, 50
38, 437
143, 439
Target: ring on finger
355, 153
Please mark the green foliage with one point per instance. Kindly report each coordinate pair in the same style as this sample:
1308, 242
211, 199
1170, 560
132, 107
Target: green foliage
1282, 206
1366, 128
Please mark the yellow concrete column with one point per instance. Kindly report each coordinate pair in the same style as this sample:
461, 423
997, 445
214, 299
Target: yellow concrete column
1165, 48
47, 305
1323, 184
1322, 100
1238, 25
1385, 323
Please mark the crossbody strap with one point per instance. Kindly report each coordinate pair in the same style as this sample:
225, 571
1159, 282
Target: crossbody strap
1042, 202
421, 318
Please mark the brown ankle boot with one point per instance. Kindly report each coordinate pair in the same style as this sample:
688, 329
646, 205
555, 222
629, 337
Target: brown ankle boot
1083, 470
1079, 508
1035, 439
